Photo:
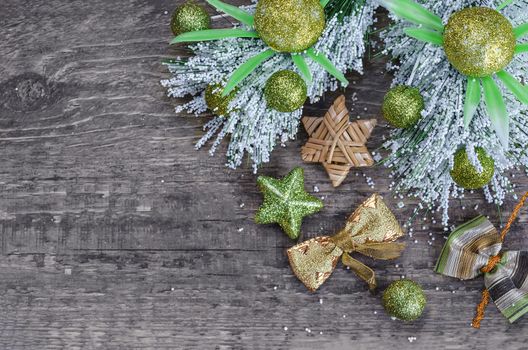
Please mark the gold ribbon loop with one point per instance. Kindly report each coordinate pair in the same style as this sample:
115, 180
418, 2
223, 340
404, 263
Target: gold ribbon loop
381, 251
371, 231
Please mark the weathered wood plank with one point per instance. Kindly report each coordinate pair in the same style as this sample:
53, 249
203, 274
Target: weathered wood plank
117, 234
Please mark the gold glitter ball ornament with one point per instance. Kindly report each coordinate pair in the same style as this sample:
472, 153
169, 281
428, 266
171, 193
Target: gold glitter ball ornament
285, 91
189, 17
289, 25
479, 41
218, 104
404, 299
465, 175
402, 106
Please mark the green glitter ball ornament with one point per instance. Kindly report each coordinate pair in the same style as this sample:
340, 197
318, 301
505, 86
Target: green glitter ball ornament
218, 104
479, 41
465, 175
403, 106
404, 299
189, 17
285, 91
289, 25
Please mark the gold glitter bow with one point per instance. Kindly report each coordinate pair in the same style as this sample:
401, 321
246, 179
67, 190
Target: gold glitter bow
371, 230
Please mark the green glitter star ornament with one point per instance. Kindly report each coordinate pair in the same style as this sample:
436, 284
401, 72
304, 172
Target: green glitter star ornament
286, 202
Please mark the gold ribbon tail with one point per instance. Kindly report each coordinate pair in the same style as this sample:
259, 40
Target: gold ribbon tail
361, 270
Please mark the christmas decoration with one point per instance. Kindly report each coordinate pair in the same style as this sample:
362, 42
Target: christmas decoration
247, 63
479, 41
404, 299
466, 175
476, 248
336, 142
286, 202
371, 230
422, 157
285, 91
216, 102
289, 26
189, 17
403, 106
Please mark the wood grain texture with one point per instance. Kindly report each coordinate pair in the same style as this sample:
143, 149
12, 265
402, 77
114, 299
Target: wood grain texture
117, 234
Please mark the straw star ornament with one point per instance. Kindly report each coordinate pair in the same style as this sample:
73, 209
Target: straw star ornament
337, 143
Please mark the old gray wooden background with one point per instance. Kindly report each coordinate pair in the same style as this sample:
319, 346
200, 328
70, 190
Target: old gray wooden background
116, 234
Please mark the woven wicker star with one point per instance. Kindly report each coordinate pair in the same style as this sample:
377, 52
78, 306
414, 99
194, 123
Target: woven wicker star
338, 143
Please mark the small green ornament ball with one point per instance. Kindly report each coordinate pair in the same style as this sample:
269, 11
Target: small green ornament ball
479, 41
289, 25
403, 106
465, 175
189, 17
404, 299
218, 104
285, 91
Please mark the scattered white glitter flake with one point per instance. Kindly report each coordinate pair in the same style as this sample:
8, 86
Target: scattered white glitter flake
275, 288
402, 277
401, 205
393, 318
411, 339
453, 292
322, 198
437, 288
162, 181
240, 229
242, 205
396, 266
308, 330
375, 312
67, 271
415, 241
172, 289
320, 301
165, 12
344, 316
316, 189
285, 328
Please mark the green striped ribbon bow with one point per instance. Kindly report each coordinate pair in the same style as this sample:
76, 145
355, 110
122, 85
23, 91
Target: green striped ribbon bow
470, 248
